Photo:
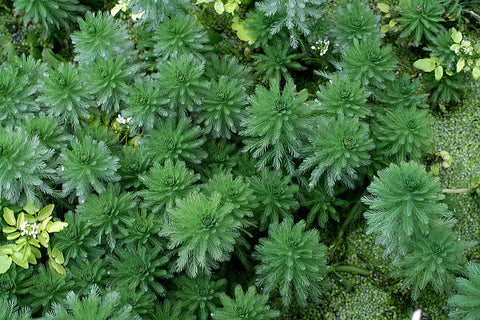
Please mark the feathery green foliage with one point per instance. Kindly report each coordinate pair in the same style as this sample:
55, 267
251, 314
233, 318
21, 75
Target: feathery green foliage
322, 205
16, 95
87, 166
440, 48
166, 183
171, 310
404, 200
24, 170
133, 164
275, 62
143, 229
77, 241
9, 310
27, 66
465, 304
275, 194
245, 306
157, 11
224, 107
66, 94
292, 260
93, 306
109, 80
403, 134
343, 96
51, 15
432, 259
355, 20
222, 155
338, 152
230, 67
420, 19
107, 212
145, 104
136, 269
180, 35
446, 91
182, 80
100, 36
43, 289
48, 131
259, 26
200, 295
236, 191
11, 281
85, 273
294, 15
368, 62
402, 92
276, 126
175, 140
203, 230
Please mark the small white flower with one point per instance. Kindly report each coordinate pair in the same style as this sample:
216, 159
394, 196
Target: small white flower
417, 315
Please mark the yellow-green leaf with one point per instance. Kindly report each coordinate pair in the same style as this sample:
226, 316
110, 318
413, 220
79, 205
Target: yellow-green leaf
385, 8
203, 1
13, 236
385, 28
27, 250
9, 216
477, 62
230, 7
56, 267
427, 65
43, 225
393, 23
56, 226
44, 238
242, 33
476, 73
435, 169
36, 253
460, 65
447, 158
5, 263
20, 219
219, 7
456, 35
45, 212
30, 208
17, 257
438, 73
58, 256
9, 229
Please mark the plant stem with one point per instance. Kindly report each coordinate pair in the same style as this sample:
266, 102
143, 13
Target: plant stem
351, 215
351, 269
476, 16
463, 190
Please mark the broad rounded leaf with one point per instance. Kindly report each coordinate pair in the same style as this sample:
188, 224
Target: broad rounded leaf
5, 263
385, 28
456, 35
30, 208
17, 257
44, 238
427, 65
9, 216
56, 226
45, 212
383, 7
56, 267
219, 7
231, 7
438, 73
58, 255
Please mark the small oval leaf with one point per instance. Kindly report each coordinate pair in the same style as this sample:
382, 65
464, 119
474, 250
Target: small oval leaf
438, 73
427, 65
45, 212
5, 263
9, 217
476, 73
456, 35
385, 8
56, 226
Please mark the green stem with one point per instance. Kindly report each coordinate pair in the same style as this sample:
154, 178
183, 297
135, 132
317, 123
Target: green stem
351, 215
462, 190
351, 269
